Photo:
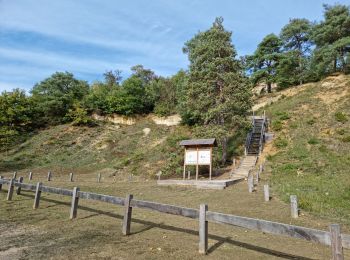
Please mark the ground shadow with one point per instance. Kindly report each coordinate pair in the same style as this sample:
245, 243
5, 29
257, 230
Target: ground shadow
149, 225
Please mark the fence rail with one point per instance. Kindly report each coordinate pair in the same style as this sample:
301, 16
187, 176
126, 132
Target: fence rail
331, 238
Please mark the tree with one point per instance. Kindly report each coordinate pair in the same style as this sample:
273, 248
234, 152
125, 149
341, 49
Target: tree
263, 63
112, 78
218, 94
16, 116
55, 95
296, 40
332, 39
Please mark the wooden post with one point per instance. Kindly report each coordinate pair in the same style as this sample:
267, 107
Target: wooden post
197, 167
294, 206
14, 175
18, 191
127, 215
210, 169
1, 183
49, 176
336, 243
203, 229
189, 175
74, 205
37, 195
250, 183
266, 192
30, 176
99, 177
71, 177
184, 172
257, 177
10, 189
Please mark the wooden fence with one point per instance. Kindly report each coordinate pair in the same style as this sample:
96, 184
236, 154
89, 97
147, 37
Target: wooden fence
332, 238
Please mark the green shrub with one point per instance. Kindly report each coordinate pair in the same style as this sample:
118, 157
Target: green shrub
313, 140
346, 139
277, 125
323, 149
341, 117
280, 142
311, 121
283, 115
341, 131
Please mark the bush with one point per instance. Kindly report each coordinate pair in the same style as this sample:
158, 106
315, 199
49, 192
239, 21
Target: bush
313, 140
311, 121
346, 139
78, 115
341, 117
283, 115
280, 142
277, 125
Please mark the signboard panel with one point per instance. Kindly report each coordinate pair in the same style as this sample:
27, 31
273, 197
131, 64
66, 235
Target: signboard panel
191, 157
203, 157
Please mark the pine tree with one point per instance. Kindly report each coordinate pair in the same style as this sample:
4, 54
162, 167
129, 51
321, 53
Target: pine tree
218, 93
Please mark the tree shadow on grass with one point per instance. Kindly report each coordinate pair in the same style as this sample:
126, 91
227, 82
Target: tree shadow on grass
149, 225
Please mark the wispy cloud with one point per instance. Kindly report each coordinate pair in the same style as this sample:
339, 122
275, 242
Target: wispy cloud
88, 37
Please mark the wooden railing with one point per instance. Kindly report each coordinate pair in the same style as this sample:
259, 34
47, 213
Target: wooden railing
332, 238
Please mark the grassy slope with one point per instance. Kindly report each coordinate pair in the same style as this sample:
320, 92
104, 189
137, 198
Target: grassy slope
106, 148
313, 147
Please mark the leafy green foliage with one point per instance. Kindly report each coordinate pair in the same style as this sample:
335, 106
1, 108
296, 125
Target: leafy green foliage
55, 95
16, 115
280, 142
79, 116
341, 117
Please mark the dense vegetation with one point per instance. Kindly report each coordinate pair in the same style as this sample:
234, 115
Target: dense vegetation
213, 95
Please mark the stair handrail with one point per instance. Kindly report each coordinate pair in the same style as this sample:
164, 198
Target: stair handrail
249, 135
262, 132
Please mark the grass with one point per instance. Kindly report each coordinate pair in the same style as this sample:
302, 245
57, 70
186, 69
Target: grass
96, 233
118, 150
314, 164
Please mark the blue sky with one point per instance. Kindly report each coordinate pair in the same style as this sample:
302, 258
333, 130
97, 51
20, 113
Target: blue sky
88, 37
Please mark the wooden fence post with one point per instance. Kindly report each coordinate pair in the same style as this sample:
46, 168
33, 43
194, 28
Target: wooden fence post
71, 177
75, 201
14, 175
99, 177
266, 192
127, 215
18, 191
10, 189
37, 195
49, 176
30, 176
294, 206
250, 182
1, 183
203, 229
336, 243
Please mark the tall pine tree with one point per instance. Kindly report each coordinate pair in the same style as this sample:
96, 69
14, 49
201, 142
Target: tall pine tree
218, 93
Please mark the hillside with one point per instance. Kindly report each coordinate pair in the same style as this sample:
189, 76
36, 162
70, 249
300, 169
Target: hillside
310, 154
310, 151
112, 149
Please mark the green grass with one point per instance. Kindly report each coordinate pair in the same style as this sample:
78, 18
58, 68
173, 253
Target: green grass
108, 148
314, 163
